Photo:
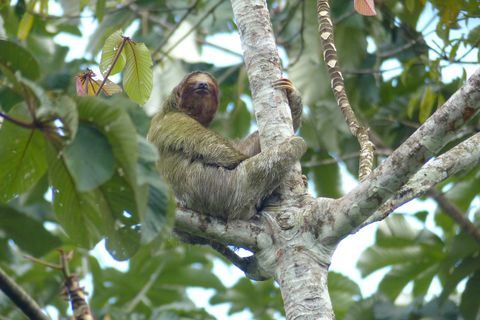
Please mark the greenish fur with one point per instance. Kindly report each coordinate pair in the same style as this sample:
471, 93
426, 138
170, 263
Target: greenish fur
213, 175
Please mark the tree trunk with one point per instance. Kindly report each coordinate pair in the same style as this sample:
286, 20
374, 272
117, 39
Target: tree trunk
303, 283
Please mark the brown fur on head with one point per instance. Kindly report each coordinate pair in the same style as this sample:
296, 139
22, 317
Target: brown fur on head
197, 96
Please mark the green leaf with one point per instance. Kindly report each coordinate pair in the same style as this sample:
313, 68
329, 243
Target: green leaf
256, 296
453, 51
79, 213
375, 258
123, 243
121, 196
344, 293
426, 104
463, 192
22, 156
89, 158
461, 271
137, 79
16, 58
25, 26
64, 109
469, 306
109, 51
326, 178
412, 104
473, 37
116, 125
437, 309
100, 10
396, 279
423, 280
361, 310
29, 234
35, 196
410, 4
160, 212
396, 231
239, 120
8, 99
161, 202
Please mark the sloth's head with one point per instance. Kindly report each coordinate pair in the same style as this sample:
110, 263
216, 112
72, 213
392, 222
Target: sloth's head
197, 96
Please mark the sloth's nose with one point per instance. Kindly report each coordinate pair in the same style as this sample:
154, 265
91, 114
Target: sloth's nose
203, 85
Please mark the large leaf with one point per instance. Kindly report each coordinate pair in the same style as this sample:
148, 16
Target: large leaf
79, 213
256, 296
469, 306
22, 156
161, 202
89, 216
343, 292
110, 51
375, 257
16, 58
25, 25
426, 104
396, 231
29, 234
115, 124
326, 177
138, 77
123, 239
89, 158
123, 243
396, 279
467, 267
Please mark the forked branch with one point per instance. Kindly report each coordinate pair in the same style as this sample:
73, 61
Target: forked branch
463, 157
406, 160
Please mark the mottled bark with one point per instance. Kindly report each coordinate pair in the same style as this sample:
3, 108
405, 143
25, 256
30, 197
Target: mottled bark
463, 157
356, 206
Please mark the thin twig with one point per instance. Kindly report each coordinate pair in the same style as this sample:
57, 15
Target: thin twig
216, 46
194, 27
302, 38
21, 299
172, 31
311, 164
143, 292
456, 214
20, 123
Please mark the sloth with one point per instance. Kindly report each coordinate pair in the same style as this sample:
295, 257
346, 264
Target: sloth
209, 173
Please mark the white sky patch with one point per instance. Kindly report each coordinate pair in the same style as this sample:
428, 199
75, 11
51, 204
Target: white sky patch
219, 57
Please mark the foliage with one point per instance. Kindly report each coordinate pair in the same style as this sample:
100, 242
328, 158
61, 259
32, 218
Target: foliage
78, 170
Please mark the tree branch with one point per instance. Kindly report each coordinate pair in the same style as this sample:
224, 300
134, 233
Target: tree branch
263, 67
338, 87
18, 296
463, 157
406, 160
249, 265
236, 232
458, 216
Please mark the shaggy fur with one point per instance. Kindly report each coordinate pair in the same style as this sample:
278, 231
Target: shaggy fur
209, 173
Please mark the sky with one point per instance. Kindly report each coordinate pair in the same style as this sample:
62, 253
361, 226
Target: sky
347, 254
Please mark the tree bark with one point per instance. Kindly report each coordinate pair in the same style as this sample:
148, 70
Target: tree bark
303, 283
287, 250
406, 160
